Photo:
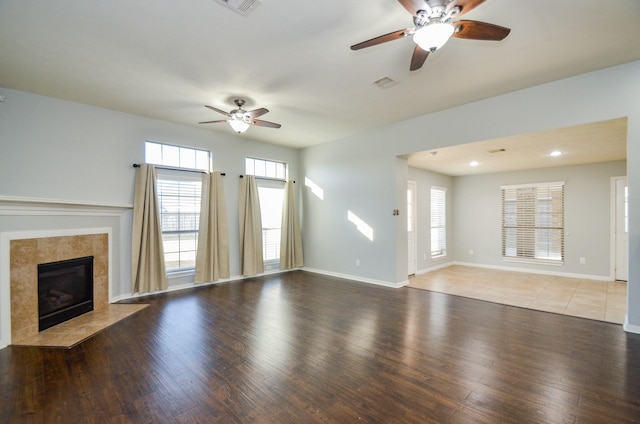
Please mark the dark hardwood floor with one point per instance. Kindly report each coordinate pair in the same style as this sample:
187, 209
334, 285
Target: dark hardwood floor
304, 348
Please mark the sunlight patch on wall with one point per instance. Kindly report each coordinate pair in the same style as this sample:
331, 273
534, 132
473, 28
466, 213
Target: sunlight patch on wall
362, 226
315, 189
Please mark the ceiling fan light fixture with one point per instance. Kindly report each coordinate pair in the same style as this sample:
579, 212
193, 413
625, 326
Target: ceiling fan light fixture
433, 36
238, 125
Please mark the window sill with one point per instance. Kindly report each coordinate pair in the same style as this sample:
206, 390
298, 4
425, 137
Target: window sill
181, 273
438, 257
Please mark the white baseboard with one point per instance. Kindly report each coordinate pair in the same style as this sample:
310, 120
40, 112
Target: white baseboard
630, 328
358, 278
170, 289
535, 271
193, 285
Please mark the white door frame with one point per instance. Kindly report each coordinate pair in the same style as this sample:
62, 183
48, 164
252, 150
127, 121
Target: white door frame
615, 250
412, 243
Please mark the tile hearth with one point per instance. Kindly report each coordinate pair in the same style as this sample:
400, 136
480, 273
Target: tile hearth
70, 333
25, 255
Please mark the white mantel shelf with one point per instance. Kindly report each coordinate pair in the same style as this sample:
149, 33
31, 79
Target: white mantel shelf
34, 201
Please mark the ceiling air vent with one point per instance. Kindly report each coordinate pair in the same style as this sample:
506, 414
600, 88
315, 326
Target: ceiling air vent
243, 7
385, 82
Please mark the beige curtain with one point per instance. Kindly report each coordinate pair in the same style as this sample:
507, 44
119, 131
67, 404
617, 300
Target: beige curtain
290, 237
212, 258
147, 255
250, 228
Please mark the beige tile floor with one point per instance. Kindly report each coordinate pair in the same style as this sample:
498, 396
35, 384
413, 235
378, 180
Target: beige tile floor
598, 300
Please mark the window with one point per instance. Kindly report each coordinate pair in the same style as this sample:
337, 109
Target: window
533, 222
271, 176
177, 157
271, 199
179, 191
438, 222
266, 169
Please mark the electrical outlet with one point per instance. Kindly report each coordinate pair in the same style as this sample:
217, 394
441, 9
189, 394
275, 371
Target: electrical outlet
357, 262
583, 261
471, 252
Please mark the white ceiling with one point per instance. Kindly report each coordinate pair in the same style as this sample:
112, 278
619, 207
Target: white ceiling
603, 141
166, 59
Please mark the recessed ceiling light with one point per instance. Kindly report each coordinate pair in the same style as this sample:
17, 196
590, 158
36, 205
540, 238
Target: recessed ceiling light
555, 153
435, 152
474, 163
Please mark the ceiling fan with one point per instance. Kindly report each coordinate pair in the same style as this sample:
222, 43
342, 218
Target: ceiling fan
241, 119
434, 25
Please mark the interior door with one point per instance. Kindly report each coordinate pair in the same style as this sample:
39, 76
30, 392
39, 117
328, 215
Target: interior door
621, 231
411, 227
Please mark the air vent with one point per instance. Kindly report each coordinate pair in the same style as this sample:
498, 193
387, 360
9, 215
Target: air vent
385, 82
243, 7
497, 150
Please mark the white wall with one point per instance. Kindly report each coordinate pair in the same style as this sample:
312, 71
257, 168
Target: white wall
477, 217
363, 165
59, 150
358, 181
82, 155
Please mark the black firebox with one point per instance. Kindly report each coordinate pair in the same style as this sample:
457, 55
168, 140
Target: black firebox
65, 290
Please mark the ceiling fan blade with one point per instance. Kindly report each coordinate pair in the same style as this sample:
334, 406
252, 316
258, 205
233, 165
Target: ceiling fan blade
218, 110
464, 5
257, 112
418, 58
214, 122
475, 30
268, 124
382, 39
413, 6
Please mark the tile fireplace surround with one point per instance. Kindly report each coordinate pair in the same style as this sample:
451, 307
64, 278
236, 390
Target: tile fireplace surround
26, 254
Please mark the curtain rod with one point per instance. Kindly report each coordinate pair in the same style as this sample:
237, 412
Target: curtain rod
137, 165
267, 178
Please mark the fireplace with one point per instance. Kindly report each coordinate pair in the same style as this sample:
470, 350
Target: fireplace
65, 290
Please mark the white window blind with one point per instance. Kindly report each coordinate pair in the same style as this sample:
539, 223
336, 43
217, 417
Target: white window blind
179, 202
533, 222
438, 222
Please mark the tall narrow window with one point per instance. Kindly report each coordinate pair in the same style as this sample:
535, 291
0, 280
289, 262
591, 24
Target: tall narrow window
533, 222
271, 176
438, 222
179, 191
